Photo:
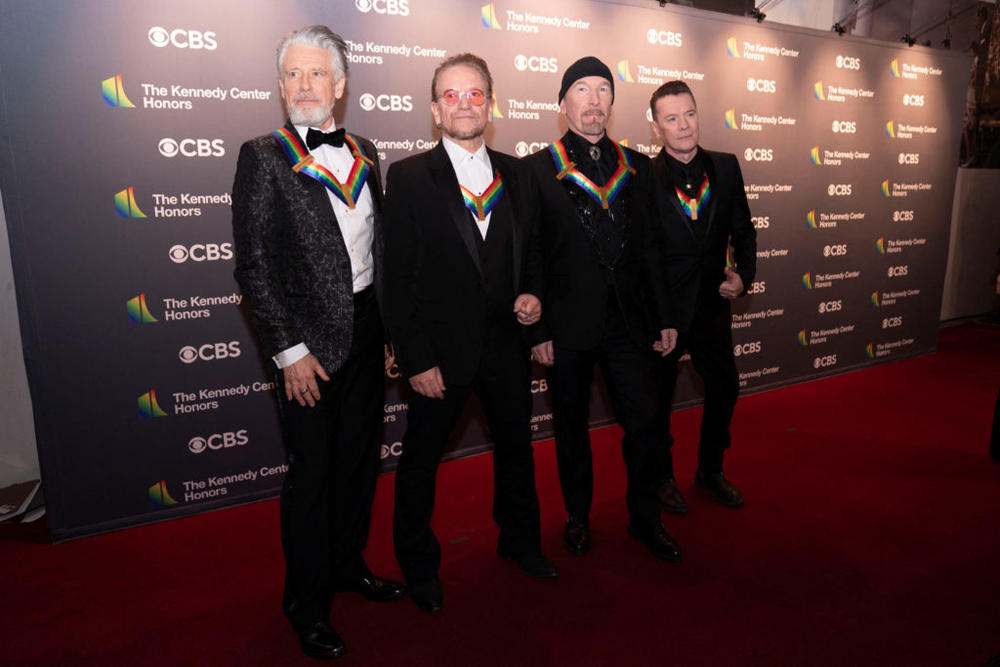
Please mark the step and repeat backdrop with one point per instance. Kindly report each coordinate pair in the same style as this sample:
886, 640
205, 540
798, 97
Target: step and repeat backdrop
121, 123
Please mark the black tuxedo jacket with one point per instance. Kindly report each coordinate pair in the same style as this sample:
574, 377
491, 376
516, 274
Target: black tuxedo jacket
291, 260
435, 306
696, 267
576, 286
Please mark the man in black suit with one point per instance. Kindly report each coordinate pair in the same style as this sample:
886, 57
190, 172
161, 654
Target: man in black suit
702, 208
308, 259
604, 303
461, 281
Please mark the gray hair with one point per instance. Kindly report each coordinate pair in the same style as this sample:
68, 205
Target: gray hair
321, 37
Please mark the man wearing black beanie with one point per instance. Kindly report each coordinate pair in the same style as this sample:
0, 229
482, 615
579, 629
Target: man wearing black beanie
603, 303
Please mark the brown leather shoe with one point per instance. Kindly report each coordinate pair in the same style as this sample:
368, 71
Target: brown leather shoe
670, 497
658, 541
719, 487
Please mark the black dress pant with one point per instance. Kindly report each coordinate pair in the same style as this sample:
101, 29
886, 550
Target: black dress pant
710, 342
503, 384
333, 453
627, 372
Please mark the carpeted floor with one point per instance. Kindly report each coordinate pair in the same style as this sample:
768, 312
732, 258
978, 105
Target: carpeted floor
870, 536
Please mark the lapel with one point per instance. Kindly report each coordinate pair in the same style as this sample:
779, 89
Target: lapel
508, 205
446, 184
716, 191
317, 193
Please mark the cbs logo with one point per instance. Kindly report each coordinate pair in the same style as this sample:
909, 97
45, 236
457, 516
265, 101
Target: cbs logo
897, 271
825, 362
848, 62
209, 352
664, 37
191, 147
535, 63
890, 322
909, 158
740, 350
758, 287
395, 449
838, 189
218, 441
902, 216
831, 306
758, 154
539, 386
837, 250
370, 102
182, 39
761, 221
390, 7
523, 148
761, 85
913, 100
201, 252
844, 126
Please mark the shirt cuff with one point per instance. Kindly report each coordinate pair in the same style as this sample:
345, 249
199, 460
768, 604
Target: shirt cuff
291, 355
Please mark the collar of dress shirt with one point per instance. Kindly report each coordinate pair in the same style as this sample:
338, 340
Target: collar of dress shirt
303, 130
458, 155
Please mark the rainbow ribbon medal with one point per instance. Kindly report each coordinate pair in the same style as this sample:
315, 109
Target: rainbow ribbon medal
303, 163
482, 205
692, 206
603, 196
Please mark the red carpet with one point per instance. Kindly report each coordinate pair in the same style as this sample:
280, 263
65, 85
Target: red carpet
871, 536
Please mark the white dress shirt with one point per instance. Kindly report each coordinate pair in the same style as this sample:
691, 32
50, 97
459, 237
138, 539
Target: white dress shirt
474, 172
357, 226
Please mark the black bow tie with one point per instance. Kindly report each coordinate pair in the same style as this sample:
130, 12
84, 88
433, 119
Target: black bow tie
316, 138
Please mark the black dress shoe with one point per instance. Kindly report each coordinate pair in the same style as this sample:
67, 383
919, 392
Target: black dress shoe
320, 640
428, 595
719, 487
576, 535
535, 565
670, 497
374, 588
659, 543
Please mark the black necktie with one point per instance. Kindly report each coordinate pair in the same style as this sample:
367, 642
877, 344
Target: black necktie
316, 138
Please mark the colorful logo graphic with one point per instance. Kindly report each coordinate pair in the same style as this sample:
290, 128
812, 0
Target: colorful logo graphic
496, 109
159, 496
890, 130
623, 72
732, 49
807, 280
818, 91
731, 119
623, 142
885, 188
114, 93
880, 246
125, 205
814, 155
137, 310
802, 338
148, 407
875, 299
894, 67
870, 351
489, 16
811, 219
729, 257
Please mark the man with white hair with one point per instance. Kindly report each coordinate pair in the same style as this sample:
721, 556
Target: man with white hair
306, 225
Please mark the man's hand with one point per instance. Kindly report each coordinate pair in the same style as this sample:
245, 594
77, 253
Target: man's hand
732, 286
543, 353
429, 383
528, 309
300, 380
667, 342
